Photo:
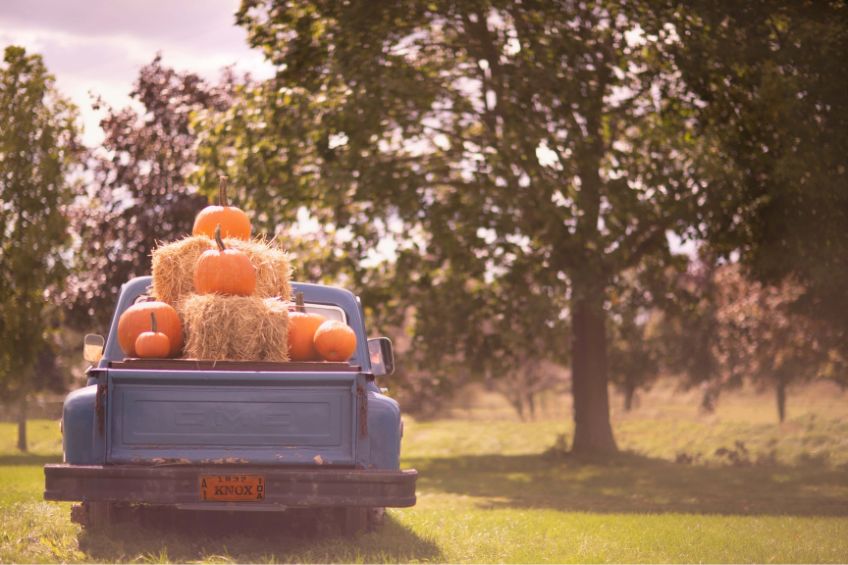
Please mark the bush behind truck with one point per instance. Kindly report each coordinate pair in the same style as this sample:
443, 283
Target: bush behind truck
188, 434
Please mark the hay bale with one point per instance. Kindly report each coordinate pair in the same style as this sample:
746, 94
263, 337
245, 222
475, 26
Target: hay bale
239, 328
273, 269
173, 267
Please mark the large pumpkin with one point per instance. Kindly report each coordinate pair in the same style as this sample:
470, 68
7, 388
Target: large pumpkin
301, 332
335, 341
224, 271
233, 221
136, 319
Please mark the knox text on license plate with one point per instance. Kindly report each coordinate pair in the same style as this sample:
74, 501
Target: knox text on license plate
232, 488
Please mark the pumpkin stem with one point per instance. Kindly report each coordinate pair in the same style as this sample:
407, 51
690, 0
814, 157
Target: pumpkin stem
222, 190
218, 239
153, 322
300, 305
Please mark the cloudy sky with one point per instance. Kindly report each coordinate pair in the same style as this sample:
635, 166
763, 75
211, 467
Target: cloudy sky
97, 46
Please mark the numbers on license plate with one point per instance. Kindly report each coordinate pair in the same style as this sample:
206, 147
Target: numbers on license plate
232, 488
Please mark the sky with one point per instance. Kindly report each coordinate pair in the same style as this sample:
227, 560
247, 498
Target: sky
96, 47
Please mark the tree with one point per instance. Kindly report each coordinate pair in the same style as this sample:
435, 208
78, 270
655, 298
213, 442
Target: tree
763, 341
39, 148
547, 142
514, 344
689, 330
139, 195
771, 74
723, 329
634, 349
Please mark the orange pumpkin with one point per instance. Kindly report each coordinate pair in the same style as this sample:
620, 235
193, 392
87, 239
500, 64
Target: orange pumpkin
335, 341
224, 271
153, 343
302, 327
136, 319
233, 221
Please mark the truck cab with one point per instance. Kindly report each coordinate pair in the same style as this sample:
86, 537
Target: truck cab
235, 435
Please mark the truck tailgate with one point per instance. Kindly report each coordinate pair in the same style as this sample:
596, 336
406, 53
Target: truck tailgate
220, 416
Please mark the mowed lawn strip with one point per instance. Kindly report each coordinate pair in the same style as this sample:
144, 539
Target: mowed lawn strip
550, 536
489, 492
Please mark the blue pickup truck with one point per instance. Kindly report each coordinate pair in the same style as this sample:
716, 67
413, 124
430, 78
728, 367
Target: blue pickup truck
235, 436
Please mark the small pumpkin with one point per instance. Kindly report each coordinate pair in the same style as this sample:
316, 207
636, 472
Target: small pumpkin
233, 221
335, 341
153, 343
301, 332
136, 319
224, 271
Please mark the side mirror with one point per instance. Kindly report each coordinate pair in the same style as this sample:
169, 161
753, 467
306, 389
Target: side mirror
92, 349
382, 356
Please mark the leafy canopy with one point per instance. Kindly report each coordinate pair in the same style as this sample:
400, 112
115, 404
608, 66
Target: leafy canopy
772, 76
39, 148
139, 195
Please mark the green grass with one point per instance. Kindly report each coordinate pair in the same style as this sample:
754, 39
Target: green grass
494, 491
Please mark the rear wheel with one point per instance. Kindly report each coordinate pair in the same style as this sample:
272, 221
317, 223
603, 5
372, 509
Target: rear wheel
94, 516
355, 520
376, 518
99, 515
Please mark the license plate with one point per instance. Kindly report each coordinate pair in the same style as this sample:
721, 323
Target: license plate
232, 488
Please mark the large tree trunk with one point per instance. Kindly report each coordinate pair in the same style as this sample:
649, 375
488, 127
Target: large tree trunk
781, 398
22, 422
592, 429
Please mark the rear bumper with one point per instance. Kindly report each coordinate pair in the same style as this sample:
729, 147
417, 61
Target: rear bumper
179, 485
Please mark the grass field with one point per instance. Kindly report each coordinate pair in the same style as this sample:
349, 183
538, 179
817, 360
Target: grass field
493, 490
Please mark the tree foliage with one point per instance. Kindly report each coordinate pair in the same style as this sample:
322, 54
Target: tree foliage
762, 340
689, 332
635, 345
772, 78
507, 149
138, 195
724, 329
39, 148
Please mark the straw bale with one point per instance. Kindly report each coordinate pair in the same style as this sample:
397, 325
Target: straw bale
273, 269
239, 328
173, 267
174, 263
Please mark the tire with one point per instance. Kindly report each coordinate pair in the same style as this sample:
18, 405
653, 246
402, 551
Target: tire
353, 520
100, 515
93, 516
377, 516
356, 520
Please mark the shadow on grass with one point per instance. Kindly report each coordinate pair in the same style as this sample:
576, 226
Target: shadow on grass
628, 483
249, 538
19, 459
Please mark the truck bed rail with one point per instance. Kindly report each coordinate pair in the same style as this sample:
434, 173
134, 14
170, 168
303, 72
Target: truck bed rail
204, 365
